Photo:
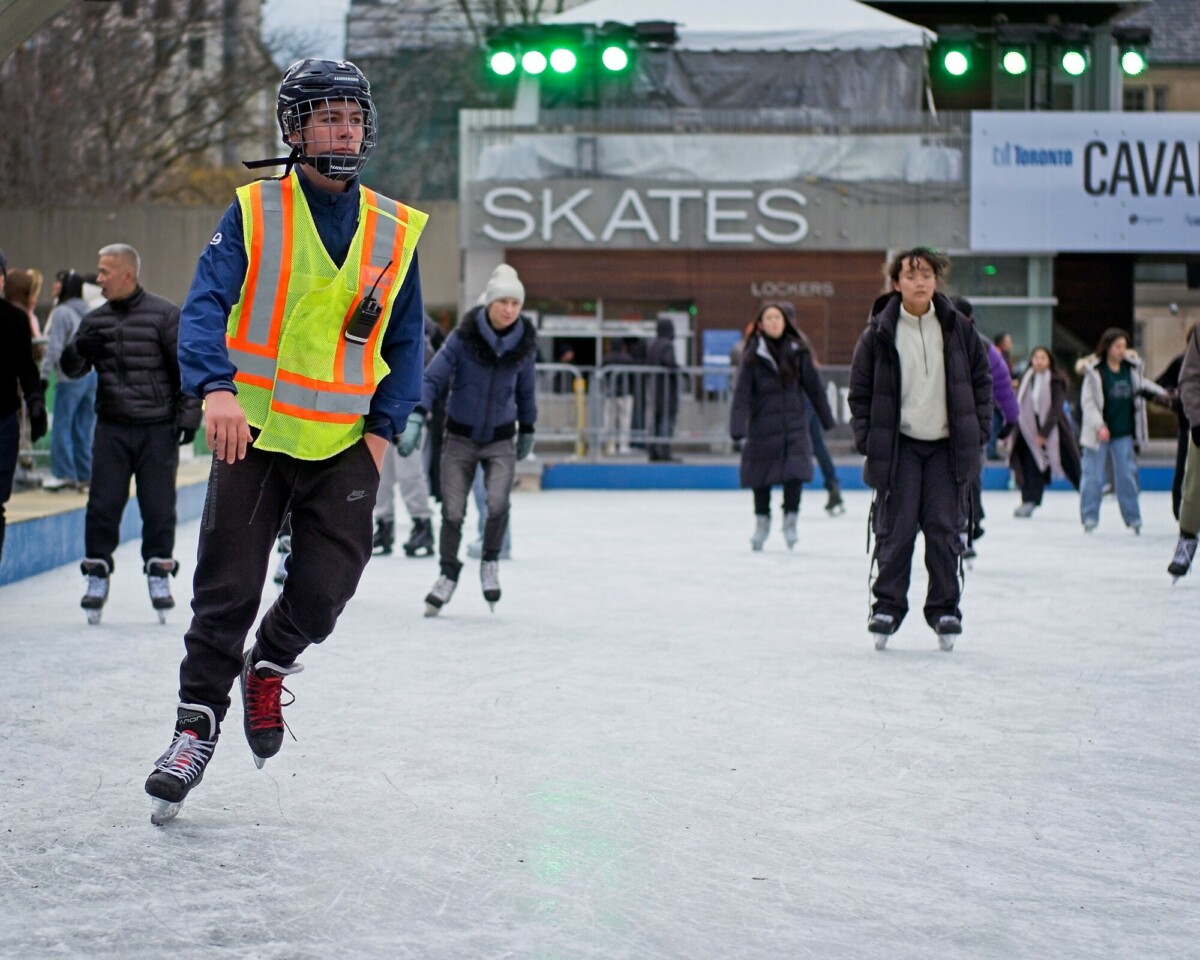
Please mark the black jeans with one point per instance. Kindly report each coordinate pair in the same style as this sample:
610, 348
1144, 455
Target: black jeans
148, 452
791, 498
460, 458
925, 497
10, 443
330, 502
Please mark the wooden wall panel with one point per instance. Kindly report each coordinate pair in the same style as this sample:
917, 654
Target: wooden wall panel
722, 285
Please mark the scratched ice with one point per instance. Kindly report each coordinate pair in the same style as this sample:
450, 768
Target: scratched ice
660, 745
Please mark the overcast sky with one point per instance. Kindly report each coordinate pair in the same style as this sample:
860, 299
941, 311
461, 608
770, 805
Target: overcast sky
324, 21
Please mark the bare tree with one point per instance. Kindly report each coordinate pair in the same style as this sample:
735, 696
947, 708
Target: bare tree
100, 107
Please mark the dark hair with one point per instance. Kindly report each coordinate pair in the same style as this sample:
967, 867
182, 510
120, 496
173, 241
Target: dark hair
964, 306
939, 263
1108, 338
789, 366
70, 286
1048, 352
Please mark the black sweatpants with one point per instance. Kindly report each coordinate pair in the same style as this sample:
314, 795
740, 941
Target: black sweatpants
331, 502
791, 498
1033, 479
923, 497
149, 453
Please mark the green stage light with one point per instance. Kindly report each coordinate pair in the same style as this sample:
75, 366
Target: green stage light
956, 62
1074, 62
614, 58
533, 62
563, 60
502, 63
1133, 62
1015, 63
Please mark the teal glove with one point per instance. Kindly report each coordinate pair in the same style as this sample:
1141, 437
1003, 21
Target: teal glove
524, 445
410, 439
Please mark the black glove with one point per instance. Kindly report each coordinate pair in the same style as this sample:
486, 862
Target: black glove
1006, 431
1196, 435
38, 424
186, 435
89, 343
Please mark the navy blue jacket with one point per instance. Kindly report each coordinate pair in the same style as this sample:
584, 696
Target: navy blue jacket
491, 378
203, 358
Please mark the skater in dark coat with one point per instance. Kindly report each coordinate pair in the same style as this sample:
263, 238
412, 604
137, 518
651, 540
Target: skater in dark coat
1045, 446
771, 415
921, 409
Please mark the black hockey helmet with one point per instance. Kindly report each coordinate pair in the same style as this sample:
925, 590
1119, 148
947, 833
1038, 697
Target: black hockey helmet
305, 86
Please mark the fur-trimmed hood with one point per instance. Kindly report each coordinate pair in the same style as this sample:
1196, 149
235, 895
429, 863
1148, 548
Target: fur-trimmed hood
1091, 361
492, 349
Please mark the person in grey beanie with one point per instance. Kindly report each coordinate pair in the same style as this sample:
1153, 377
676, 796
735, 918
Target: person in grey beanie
486, 367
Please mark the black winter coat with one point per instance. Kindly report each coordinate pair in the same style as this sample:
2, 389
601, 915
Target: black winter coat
16, 360
772, 417
133, 344
875, 391
661, 353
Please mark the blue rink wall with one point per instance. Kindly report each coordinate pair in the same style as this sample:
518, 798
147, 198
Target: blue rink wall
724, 476
34, 546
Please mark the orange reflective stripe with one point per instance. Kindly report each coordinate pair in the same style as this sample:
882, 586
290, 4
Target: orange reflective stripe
255, 255
302, 414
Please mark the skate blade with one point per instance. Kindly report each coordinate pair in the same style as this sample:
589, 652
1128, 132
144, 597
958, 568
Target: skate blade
162, 616
946, 642
431, 610
492, 605
881, 640
259, 762
162, 811
93, 617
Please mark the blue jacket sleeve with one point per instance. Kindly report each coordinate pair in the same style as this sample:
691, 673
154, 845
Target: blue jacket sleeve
404, 353
527, 395
440, 372
204, 362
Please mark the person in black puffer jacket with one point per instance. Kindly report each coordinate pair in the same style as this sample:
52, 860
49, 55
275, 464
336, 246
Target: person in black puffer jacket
921, 410
776, 383
142, 418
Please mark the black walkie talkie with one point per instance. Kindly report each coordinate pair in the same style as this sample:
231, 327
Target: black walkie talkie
366, 314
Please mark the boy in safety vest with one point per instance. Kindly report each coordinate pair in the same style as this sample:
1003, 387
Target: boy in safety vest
304, 333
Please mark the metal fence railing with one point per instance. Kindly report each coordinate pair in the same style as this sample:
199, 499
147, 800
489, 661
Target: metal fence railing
617, 410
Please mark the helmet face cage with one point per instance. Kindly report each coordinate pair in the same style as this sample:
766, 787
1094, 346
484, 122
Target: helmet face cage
311, 85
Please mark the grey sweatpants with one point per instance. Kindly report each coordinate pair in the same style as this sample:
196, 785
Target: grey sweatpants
410, 473
460, 456
923, 497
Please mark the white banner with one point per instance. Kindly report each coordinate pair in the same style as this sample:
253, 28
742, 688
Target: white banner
1111, 182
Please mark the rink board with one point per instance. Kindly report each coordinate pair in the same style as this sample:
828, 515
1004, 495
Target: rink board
717, 476
34, 546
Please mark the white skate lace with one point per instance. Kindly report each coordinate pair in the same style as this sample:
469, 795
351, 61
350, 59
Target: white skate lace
97, 587
160, 588
186, 757
444, 588
489, 574
1185, 551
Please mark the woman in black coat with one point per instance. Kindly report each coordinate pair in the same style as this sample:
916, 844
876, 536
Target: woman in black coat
1045, 443
777, 380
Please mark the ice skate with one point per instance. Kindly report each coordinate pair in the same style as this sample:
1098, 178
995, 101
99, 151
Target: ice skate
96, 596
1089, 526
489, 577
1025, 510
881, 626
439, 596
284, 547
420, 541
947, 628
384, 537
789, 530
182, 766
158, 580
262, 706
1181, 563
835, 506
762, 527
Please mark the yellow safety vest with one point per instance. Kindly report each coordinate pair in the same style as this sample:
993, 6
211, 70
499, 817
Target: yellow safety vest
300, 381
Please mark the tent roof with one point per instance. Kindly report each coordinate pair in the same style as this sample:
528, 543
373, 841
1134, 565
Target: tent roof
761, 24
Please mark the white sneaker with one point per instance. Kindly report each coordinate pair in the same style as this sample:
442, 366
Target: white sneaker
56, 483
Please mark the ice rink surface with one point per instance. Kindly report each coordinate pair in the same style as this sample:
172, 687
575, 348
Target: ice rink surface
660, 745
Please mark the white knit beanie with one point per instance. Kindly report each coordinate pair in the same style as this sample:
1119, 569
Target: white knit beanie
503, 283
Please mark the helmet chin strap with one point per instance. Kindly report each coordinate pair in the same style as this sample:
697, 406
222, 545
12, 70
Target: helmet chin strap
290, 160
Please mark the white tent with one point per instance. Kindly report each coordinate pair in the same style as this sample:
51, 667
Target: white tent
761, 25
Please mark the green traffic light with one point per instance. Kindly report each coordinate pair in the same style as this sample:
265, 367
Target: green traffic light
615, 58
503, 63
956, 62
1015, 63
563, 60
1133, 62
533, 62
1074, 62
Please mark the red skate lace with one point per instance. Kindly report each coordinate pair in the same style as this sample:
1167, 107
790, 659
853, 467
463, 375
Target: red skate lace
264, 704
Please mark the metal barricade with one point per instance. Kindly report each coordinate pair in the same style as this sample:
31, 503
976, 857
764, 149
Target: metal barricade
562, 405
